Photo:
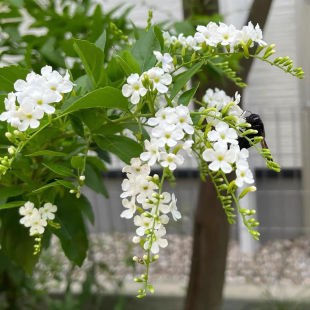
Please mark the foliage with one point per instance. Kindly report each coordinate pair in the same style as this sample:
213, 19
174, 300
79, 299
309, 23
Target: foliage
126, 94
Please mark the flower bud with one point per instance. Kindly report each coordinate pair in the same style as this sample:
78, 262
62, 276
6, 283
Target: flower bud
78, 195
72, 191
82, 178
135, 258
8, 135
155, 257
136, 239
145, 257
11, 150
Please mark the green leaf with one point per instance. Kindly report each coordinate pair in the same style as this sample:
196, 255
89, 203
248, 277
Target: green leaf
72, 234
94, 181
59, 169
97, 163
83, 85
92, 58
143, 49
122, 147
12, 204
51, 53
187, 96
66, 184
159, 35
101, 41
77, 162
15, 241
48, 153
11, 191
86, 208
8, 76
77, 125
106, 97
128, 63
56, 183
181, 79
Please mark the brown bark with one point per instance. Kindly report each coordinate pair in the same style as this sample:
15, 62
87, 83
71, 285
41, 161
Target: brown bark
211, 229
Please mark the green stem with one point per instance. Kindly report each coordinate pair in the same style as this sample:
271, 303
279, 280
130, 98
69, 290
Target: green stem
152, 233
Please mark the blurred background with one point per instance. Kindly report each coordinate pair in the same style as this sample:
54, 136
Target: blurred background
273, 273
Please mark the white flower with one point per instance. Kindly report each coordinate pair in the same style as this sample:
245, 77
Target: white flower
40, 100
184, 120
27, 211
166, 60
241, 156
144, 221
144, 188
187, 146
10, 115
191, 43
57, 83
134, 89
164, 201
29, 117
216, 98
208, 34
48, 211
131, 208
168, 38
152, 152
160, 79
226, 33
137, 167
220, 157
244, 175
223, 133
176, 215
171, 160
169, 135
21, 86
157, 240
162, 117
37, 225
248, 33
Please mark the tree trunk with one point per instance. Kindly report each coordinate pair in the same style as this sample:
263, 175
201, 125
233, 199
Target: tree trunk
211, 229
211, 233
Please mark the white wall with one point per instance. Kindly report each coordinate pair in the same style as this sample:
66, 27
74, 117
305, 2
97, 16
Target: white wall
272, 93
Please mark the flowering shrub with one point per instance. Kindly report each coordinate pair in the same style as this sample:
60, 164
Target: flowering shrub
136, 104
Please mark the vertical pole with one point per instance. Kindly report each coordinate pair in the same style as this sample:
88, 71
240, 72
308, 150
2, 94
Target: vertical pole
247, 244
303, 49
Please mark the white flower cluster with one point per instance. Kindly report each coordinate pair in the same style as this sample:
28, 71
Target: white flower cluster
35, 218
172, 131
142, 192
155, 79
35, 96
214, 35
225, 154
218, 99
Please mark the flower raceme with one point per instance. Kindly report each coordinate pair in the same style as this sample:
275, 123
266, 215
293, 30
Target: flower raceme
213, 35
35, 97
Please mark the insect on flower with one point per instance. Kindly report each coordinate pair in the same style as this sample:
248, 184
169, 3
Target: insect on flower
256, 124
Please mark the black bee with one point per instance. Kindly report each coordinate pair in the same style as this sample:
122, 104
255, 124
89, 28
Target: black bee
257, 124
